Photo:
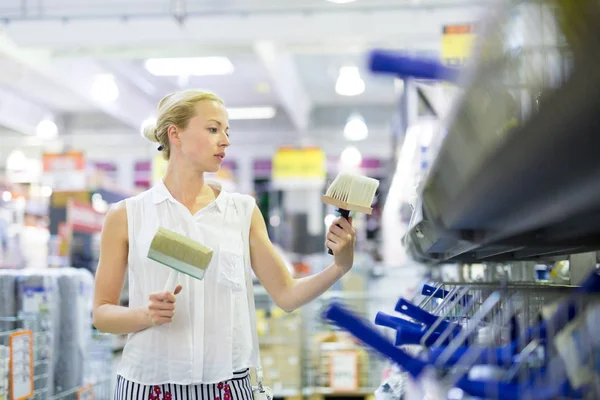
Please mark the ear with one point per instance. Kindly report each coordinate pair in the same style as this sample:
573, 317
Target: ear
174, 135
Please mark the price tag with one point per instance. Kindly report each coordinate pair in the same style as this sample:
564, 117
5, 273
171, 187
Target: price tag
343, 371
21, 365
86, 393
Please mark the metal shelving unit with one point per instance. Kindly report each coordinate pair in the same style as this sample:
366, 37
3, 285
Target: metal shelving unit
530, 191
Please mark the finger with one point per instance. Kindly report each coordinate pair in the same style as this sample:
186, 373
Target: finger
158, 296
340, 236
332, 245
166, 314
336, 230
163, 320
170, 297
345, 225
161, 305
332, 237
178, 289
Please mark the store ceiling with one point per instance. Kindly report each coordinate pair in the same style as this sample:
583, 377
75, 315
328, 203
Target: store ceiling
286, 54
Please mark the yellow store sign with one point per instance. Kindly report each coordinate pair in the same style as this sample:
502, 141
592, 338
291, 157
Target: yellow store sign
457, 44
299, 165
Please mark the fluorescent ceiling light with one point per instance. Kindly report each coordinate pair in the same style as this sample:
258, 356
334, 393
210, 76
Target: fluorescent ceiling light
356, 129
46, 129
251, 113
16, 161
351, 157
349, 82
189, 66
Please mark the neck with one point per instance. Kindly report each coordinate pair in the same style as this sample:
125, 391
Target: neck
185, 184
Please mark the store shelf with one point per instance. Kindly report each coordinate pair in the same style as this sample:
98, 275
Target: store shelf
530, 193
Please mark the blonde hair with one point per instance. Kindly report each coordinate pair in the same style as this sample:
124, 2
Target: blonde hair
175, 109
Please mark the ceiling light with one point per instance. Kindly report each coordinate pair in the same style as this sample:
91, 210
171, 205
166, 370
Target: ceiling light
349, 82
46, 129
356, 129
341, 1
104, 88
189, 66
351, 157
16, 161
251, 113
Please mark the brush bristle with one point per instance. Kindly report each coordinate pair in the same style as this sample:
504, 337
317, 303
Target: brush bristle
181, 248
353, 189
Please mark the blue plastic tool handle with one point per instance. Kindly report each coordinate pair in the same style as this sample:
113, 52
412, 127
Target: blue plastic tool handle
485, 389
385, 61
503, 355
368, 335
383, 319
406, 332
418, 314
405, 335
442, 294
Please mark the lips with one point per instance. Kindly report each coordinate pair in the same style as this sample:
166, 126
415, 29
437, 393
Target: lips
220, 156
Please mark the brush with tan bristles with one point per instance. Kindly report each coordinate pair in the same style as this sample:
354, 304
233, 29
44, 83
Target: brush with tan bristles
351, 192
181, 254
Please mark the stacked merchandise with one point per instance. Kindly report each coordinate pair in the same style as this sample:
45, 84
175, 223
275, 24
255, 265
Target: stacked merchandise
36, 307
75, 291
8, 303
340, 354
280, 339
57, 305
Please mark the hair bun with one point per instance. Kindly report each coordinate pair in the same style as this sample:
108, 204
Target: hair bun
149, 131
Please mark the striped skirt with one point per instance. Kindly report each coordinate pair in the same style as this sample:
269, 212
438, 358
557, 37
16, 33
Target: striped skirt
238, 388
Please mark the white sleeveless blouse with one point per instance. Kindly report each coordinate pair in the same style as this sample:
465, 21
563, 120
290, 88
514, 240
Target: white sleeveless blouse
210, 335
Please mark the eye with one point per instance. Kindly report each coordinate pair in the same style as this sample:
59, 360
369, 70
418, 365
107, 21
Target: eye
213, 130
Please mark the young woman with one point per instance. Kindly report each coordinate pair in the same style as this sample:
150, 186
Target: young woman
194, 341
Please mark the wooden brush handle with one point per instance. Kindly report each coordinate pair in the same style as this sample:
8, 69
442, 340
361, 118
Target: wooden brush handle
345, 214
172, 281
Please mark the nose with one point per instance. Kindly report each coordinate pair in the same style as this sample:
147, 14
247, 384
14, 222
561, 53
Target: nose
225, 141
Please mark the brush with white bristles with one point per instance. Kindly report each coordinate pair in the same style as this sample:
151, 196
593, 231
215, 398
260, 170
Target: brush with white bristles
351, 192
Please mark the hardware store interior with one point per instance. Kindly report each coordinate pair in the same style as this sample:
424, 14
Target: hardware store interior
473, 273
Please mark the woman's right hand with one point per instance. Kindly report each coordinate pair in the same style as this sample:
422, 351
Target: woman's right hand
161, 307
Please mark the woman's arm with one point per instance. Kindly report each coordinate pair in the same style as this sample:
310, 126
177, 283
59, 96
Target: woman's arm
289, 293
109, 316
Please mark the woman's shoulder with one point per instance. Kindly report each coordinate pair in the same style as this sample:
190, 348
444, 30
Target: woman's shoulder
245, 199
138, 197
115, 220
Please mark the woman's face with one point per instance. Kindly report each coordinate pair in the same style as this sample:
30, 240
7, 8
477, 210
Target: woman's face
204, 141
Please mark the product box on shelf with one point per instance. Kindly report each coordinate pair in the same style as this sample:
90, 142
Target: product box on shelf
282, 368
342, 365
280, 338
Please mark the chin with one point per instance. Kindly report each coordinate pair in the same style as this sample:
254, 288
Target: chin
213, 169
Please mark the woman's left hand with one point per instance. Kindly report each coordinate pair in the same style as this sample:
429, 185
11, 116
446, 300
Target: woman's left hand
341, 238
